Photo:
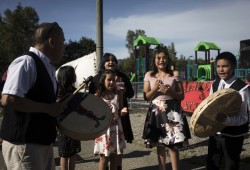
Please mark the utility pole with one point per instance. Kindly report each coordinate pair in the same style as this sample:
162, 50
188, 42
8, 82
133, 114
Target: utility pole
99, 32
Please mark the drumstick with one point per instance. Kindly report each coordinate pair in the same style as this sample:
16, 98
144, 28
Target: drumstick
85, 83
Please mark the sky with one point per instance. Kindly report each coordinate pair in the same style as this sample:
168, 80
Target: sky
182, 22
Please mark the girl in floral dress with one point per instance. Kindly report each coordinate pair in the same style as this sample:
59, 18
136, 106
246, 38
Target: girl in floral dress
164, 122
112, 143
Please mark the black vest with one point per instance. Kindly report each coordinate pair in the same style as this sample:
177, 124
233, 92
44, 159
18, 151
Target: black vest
39, 128
233, 130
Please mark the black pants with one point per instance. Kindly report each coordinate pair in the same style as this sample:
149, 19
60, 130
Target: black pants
225, 147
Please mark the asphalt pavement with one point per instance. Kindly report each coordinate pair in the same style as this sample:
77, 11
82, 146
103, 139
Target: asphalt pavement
135, 157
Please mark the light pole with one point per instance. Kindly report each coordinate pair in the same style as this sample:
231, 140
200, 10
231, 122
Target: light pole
99, 32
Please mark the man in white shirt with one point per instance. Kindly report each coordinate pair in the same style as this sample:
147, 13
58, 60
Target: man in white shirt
29, 101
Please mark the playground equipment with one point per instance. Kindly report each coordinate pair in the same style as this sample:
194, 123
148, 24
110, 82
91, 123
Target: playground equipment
142, 59
132, 79
198, 77
206, 47
204, 72
142, 62
140, 68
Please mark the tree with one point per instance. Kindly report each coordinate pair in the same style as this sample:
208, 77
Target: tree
172, 52
127, 65
77, 49
16, 29
181, 63
131, 37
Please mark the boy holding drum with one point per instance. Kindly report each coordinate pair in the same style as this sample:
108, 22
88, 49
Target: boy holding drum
228, 143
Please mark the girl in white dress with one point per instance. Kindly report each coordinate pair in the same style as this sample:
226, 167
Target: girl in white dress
112, 143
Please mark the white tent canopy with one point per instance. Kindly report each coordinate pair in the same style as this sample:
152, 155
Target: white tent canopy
84, 67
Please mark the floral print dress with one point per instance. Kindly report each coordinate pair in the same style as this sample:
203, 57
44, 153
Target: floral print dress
113, 141
163, 124
164, 121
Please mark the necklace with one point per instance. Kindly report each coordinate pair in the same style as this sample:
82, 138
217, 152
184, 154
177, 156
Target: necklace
161, 76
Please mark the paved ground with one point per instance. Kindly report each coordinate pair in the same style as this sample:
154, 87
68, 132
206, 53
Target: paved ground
137, 157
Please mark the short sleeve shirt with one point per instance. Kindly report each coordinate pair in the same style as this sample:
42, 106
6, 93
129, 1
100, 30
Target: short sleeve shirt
22, 74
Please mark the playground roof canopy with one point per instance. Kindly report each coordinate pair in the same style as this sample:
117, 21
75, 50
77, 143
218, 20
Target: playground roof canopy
205, 46
143, 40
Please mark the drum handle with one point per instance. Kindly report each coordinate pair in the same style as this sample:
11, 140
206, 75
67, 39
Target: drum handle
80, 87
83, 85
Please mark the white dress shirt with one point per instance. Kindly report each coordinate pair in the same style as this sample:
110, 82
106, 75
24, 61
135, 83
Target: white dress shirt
21, 75
242, 117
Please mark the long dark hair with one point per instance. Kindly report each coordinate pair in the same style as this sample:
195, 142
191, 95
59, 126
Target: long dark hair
101, 87
65, 78
154, 67
106, 58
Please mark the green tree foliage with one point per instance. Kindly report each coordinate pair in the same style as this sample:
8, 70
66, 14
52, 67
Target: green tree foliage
16, 29
127, 65
131, 37
172, 52
181, 61
77, 49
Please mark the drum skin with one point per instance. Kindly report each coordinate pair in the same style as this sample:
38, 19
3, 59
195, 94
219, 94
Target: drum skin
85, 118
203, 121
